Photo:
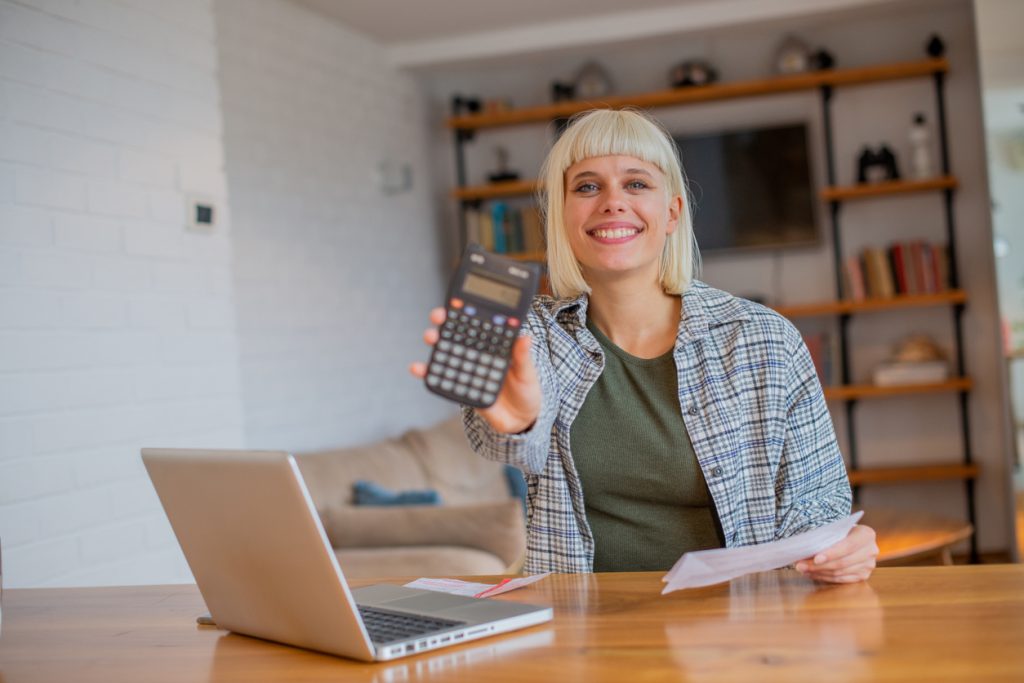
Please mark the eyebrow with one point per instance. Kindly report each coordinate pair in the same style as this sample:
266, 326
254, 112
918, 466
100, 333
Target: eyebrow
628, 171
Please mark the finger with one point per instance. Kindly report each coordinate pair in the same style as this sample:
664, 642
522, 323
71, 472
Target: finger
437, 315
430, 336
858, 556
418, 370
863, 567
521, 356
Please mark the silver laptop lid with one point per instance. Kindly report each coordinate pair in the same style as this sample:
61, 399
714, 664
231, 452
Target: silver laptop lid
258, 552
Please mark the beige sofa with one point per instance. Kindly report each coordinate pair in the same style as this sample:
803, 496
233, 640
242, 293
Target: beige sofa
477, 529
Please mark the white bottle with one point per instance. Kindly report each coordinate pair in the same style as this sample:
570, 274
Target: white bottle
921, 165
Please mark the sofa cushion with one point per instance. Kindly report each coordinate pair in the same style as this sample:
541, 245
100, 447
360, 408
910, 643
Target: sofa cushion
497, 528
417, 561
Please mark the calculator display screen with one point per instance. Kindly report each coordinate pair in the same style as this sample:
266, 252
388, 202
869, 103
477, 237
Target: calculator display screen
492, 290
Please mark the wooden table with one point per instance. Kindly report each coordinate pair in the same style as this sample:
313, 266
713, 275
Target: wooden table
963, 623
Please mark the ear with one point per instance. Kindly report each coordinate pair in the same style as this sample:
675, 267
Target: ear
675, 212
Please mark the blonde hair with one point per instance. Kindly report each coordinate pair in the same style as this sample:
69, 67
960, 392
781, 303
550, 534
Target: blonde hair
608, 132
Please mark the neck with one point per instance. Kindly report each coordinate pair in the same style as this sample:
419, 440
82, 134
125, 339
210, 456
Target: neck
638, 317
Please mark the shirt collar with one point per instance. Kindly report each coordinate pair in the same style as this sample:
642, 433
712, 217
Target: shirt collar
703, 308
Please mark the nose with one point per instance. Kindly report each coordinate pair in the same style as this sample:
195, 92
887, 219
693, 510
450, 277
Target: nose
614, 201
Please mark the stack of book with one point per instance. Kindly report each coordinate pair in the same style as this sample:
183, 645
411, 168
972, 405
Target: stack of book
505, 229
915, 267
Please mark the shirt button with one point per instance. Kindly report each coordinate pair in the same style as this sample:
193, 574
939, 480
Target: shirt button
693, 411
716, 471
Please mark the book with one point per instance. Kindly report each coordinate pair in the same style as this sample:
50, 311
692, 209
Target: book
853, 279
498, 228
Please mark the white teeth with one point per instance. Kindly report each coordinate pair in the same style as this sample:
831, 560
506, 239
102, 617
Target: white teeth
615, 233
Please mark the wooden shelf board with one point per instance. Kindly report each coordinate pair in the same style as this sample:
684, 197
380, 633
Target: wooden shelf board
952, 296
857, 391
511, 188
893, 475
889, 187
707, 93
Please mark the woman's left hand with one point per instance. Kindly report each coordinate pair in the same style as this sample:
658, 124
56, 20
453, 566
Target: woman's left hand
848, 561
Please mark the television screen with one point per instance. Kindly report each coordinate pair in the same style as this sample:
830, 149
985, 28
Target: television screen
750, 188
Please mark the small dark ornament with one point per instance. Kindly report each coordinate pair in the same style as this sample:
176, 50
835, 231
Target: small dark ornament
692, 72
465, 105
562, 92
935, 46
503, 173
821, 60
875, 166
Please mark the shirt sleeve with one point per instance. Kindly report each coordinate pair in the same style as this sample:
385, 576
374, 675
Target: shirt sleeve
812, 487
528, 450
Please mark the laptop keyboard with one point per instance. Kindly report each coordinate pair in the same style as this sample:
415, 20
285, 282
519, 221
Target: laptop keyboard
388, 627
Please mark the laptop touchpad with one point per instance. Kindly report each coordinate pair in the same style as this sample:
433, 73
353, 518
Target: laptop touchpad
428, 603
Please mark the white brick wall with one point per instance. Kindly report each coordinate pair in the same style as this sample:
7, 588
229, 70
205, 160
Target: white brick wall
334, 279
116, 327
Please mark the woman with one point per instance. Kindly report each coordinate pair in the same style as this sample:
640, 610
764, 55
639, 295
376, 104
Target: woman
652, 414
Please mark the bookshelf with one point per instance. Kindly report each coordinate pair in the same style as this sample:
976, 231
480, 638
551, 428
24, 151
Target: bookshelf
826, 84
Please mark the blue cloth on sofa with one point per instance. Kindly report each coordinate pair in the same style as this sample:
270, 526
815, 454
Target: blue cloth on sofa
368, 493
516, 484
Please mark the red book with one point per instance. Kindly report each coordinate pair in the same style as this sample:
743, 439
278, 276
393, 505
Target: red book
899, 269
918, 266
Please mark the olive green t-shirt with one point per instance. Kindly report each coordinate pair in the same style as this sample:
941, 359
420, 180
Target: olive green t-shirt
645, 496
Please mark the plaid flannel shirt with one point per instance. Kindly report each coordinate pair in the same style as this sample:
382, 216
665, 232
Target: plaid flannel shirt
751, 402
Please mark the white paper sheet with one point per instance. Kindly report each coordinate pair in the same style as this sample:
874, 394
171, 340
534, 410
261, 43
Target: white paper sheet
475, 590
706, 567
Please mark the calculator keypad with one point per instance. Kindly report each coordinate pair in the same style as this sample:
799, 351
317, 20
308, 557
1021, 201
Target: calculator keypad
469, 359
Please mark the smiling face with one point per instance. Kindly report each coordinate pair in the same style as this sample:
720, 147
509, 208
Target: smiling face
618, 214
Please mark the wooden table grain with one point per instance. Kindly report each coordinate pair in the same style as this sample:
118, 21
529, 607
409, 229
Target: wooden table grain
963, 623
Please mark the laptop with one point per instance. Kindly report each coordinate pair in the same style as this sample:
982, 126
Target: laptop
265, 568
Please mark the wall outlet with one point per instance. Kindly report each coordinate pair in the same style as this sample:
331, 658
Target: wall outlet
202, 214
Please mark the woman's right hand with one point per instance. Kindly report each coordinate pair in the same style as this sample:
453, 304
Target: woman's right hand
518, 404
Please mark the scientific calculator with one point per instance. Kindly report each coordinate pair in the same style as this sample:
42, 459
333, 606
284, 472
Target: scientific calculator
488, 298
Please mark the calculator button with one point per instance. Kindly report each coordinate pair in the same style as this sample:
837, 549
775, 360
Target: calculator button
461, 389
475, 322
447, 385
495, 375
440, 356
455, 303
474, 394
470, 310
486, 358
433, 380
481, 370
499, 363
446, 333
472, 355
486, 325
513, 322
472, 334
491, 386
458, 337
477, 382
444, 345
464, 377
487, 399
455, 363
450, 373
458, 349
499, 319
510, 333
